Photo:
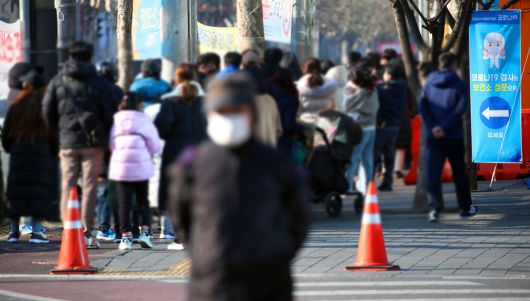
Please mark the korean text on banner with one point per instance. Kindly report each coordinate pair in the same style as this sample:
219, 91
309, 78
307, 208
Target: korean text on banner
277, 20
495, 75
219, 40
10, 52
147, 29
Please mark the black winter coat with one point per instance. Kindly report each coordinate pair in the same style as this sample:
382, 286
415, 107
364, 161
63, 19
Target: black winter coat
392, 103
180, 125
243, 215
76, 89
33, 177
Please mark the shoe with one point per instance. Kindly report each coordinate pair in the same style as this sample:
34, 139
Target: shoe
13, 237
384, 188
144, 240
107, 235
177, 246
125, 243
433, 216
39, 238
27, 229
91, 242
166, 235
399, 174
473, 210
117, 238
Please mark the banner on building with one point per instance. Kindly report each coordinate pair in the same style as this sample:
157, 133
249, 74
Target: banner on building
495, 76
277, 20
147, 29
217, 39
10, 52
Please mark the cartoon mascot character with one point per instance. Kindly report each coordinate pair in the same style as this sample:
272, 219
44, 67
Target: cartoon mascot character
494, 48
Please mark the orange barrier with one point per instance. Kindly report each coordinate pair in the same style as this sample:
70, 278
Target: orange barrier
73, 257
371, 253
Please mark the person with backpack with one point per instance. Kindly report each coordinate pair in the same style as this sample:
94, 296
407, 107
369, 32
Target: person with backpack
79, 104
133, 141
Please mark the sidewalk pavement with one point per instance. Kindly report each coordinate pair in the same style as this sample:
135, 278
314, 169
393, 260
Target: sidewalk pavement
494, 243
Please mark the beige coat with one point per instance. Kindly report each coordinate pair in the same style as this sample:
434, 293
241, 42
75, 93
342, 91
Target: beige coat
268, 124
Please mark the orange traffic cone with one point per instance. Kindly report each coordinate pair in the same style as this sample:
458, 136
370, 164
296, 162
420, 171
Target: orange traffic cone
73, 257
371, 253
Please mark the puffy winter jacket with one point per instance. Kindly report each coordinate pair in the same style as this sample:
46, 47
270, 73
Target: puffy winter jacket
77, 89
443, 103
134, 139
150, 88
314, 100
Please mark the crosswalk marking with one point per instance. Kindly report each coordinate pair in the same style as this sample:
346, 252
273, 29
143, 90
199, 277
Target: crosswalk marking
448, 299
385, 283
416, 291
12, 294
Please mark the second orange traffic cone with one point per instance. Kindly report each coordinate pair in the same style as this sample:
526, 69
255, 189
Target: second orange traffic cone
371, 252
73, 257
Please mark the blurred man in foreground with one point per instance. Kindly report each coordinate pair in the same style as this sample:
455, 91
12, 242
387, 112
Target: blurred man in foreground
240, 206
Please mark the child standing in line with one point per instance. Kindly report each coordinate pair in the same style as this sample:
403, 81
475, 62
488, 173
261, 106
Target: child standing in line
134, 140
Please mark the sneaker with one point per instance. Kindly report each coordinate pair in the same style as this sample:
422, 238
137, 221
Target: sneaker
117, 238
39, 238
433, 216
107, 235
91, 241
177, 246
166, 235
13, 237
473, 210
144, 240
125, 243
26, 229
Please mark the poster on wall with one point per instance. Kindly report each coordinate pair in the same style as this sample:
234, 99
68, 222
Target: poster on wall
495, 77
219, 40
147, 29
10, 52
277, 20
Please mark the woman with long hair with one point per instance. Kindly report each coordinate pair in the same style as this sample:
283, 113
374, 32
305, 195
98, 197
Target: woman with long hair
32, 181
181, 123
362, 104
317, 93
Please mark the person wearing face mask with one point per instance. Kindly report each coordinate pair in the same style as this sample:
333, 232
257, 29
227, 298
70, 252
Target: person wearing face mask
240, 206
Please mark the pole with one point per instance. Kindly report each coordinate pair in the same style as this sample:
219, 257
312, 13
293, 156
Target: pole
66, 25
250, 32
25, 19
179, 35
124, 34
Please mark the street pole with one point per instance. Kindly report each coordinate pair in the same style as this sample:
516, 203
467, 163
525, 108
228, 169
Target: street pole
251, 34
66, 26
179, 35
24, 8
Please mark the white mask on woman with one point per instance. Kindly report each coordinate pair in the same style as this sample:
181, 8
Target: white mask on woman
229, 130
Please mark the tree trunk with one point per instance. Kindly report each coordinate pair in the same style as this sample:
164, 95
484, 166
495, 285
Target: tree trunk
251, 34
124, 34
420, 195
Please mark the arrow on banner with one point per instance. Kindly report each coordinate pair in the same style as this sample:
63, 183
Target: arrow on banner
495, 113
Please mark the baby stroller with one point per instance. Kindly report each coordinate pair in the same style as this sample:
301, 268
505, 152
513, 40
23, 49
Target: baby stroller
334, 137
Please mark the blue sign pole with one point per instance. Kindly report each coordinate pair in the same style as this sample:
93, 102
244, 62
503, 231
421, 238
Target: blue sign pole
495, 78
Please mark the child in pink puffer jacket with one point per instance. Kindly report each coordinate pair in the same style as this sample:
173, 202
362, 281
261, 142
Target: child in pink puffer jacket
133, 141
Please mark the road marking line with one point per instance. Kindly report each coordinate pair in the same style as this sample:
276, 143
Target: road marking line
386, 283
26, 296
411, 292
447, 299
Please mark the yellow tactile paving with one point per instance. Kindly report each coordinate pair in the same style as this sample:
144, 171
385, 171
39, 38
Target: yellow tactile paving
180, 269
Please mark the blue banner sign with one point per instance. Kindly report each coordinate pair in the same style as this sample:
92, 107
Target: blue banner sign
147, 29
495, 76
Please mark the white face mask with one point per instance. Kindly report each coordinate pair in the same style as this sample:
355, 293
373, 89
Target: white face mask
229, 130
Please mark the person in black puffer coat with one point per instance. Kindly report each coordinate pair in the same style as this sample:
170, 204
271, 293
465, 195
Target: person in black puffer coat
181, 123
32, 181
80, 104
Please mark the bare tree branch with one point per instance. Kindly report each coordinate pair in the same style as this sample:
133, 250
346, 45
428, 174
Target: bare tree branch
413, 25
460, 20
406, 6
509, 3
450, 20
442, 9
488, 4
